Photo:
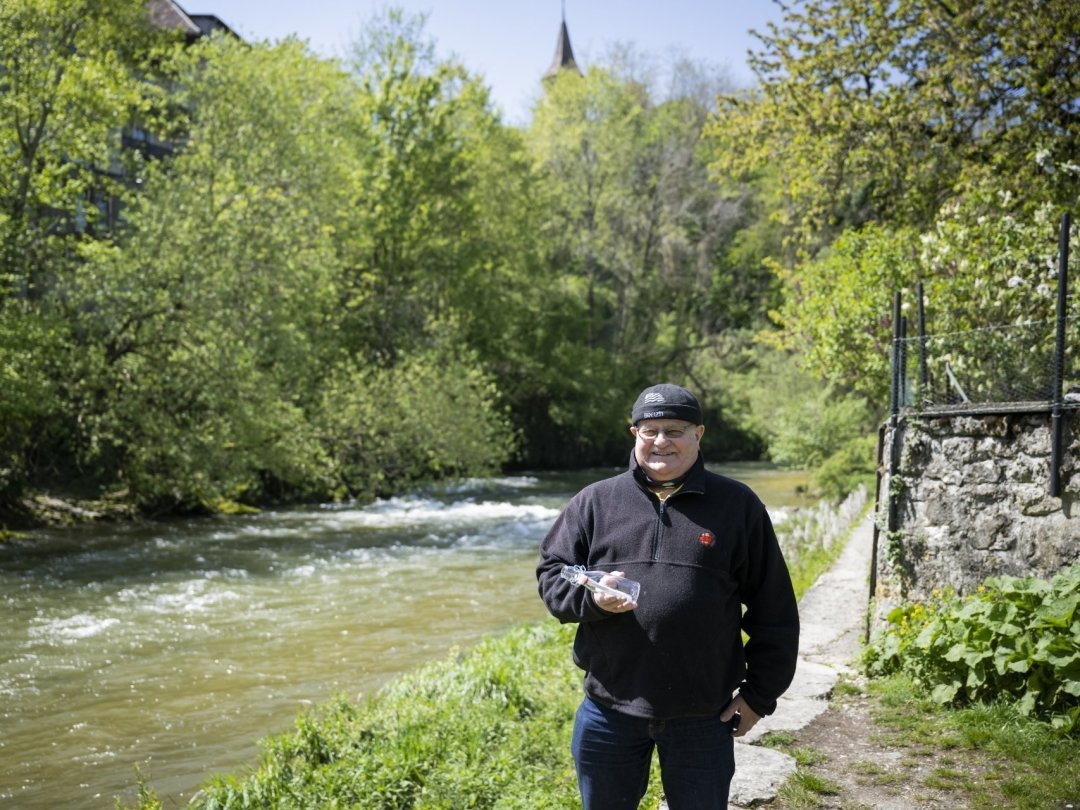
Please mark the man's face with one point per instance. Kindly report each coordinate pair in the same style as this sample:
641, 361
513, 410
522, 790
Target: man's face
666, 448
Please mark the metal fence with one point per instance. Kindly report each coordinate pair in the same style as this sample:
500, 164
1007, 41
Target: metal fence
1010, 367
1030, 367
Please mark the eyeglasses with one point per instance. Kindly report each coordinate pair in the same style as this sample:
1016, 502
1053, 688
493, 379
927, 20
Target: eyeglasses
673, 433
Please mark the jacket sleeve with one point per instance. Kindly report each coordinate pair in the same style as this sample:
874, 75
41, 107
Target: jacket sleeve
771, 618
566, 543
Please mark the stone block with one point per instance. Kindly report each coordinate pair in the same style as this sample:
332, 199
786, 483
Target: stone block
982, 472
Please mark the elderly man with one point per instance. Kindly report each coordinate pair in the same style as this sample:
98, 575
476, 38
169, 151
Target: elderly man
670, 671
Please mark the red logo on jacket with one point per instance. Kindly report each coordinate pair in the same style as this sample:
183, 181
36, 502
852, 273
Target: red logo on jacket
707, 539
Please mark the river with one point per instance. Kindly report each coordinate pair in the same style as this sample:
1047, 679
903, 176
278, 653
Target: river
173, 647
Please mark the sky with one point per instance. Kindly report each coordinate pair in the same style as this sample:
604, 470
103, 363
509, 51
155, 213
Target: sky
510, 43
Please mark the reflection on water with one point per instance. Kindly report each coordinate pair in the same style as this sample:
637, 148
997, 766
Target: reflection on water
176, 646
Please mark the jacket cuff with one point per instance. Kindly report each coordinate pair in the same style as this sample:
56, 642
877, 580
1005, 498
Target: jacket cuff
761, 707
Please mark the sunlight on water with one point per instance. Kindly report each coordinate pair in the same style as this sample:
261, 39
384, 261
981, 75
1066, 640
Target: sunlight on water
176, 646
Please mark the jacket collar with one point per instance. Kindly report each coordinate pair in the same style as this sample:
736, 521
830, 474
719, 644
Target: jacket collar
693, 482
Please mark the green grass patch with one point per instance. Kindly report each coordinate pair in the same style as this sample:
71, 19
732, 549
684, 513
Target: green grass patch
873, 774
805, 791
787, 742
845, 688
815, 784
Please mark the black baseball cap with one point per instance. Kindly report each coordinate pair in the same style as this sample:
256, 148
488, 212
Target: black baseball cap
666, 401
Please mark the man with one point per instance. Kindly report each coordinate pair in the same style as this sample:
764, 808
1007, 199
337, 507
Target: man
671, 670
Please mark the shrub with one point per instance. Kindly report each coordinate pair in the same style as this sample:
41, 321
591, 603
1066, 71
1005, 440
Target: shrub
854, 464
1015, 638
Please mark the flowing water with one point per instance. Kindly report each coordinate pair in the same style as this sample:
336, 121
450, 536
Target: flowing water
174, 647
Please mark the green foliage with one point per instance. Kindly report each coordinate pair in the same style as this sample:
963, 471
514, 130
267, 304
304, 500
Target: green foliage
68, 84
883, 116
765, 392
837, 314
852, 465
202, 335
433, 415
812, 430
29, 417
637, 234
1017, 638
147, 798
918, 142
319, 244
413, 238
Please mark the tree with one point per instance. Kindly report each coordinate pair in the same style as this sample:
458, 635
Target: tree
634, 228
420, 127
905, 132
69, 82
203, 333
886, 112
71, 77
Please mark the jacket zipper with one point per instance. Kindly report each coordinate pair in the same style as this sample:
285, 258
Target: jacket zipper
659, 532
660, 525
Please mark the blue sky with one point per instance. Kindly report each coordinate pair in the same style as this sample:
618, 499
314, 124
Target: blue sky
511, 42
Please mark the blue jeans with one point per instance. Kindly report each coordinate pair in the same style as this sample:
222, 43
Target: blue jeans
612, 752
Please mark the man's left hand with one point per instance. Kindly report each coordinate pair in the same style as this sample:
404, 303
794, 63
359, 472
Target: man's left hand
748, 718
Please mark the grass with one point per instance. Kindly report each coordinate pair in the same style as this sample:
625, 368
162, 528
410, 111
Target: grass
872, 773
489, 728
804, 790
813, 539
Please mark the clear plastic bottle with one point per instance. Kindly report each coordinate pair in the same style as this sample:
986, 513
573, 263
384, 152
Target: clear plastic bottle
603, 582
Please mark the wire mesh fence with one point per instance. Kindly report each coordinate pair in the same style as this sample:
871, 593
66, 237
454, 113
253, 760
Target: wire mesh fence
1002, 365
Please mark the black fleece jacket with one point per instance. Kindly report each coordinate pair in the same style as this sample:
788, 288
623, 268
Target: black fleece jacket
700, 557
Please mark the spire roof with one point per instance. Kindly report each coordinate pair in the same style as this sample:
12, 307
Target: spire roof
564, 54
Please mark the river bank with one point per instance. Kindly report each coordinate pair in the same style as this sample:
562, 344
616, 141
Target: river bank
54, 510
42, 510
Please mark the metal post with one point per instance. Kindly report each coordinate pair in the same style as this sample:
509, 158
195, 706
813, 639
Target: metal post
877, 522
905, 393
894, 413
894, 398
1059, 359
924, 370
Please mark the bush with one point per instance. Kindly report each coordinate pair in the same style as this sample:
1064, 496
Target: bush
850, 467
1015, 638
434, 415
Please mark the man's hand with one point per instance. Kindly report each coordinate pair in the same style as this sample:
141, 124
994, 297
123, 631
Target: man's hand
609, 603
748, 718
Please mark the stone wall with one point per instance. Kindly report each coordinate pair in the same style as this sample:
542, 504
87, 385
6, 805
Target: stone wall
972, 500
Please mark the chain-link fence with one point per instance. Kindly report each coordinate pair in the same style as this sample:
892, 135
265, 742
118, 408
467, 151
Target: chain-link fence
1012, 366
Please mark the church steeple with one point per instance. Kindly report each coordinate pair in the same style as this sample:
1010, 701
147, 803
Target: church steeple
564, 54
